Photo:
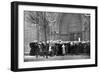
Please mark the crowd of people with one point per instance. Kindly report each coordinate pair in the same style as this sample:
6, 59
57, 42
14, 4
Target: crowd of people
59, 48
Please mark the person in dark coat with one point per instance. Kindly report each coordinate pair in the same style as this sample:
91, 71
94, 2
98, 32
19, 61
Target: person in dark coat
44, 47
72, 48
32, 51
59, 49
69, 49
66, 48
47, 50
36, 50
56, 49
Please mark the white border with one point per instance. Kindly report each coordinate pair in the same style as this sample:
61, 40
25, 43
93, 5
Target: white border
22, 64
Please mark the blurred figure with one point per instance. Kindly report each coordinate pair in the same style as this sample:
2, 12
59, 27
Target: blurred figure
66, 48
32, 46
63, 49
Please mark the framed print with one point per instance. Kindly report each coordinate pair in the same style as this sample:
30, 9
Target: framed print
52, 36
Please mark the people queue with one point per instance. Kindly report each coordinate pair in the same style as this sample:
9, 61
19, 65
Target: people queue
59, 48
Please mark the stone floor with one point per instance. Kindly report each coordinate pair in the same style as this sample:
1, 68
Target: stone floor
66, 57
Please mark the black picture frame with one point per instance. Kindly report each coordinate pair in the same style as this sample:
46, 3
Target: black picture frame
14, 35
